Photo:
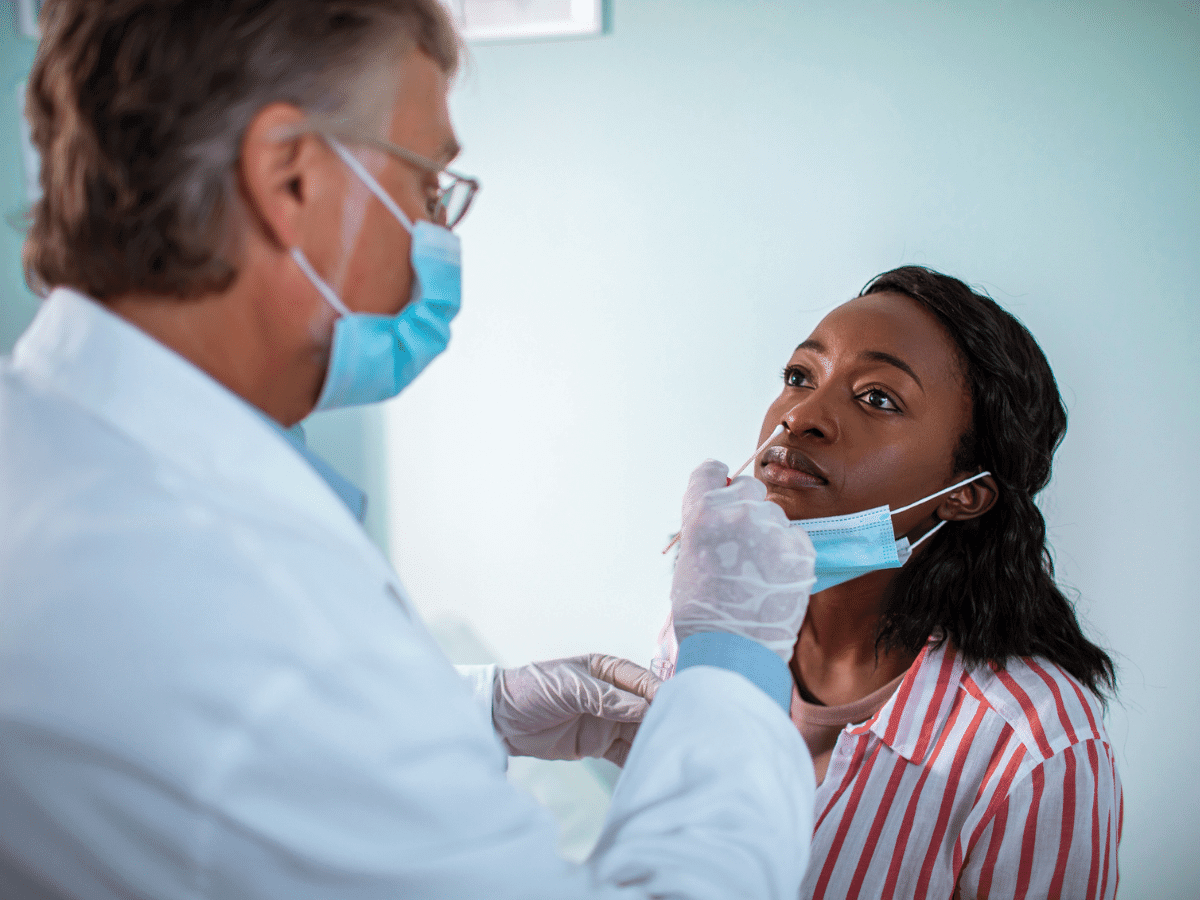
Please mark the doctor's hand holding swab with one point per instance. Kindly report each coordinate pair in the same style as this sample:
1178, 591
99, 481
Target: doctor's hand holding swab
742, 569
729, 480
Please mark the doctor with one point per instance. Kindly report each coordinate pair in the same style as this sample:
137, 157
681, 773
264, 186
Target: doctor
211, 683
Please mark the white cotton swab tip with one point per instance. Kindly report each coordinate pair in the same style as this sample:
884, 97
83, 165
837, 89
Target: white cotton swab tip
741, 469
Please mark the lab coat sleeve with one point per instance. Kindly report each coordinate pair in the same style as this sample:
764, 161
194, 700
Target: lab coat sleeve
715, 802
716, 799
481, 680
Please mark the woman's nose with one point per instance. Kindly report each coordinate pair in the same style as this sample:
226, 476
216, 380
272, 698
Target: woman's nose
812, 418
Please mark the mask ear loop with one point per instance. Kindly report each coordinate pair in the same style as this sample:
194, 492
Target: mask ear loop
318, 282
953, 487
926, 536
369, 180
373, 186
932, 531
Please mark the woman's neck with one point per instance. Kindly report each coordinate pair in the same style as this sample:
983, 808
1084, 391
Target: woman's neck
836, 659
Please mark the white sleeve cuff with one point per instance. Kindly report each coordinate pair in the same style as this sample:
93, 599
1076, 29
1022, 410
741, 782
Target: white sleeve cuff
481, 680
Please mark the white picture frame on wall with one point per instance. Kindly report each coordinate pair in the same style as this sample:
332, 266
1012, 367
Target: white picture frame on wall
27, 16
507, 20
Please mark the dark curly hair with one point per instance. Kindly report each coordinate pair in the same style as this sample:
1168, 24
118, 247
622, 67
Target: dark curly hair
988, 583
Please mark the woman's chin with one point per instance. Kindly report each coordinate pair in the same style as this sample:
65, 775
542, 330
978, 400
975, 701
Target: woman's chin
786, 500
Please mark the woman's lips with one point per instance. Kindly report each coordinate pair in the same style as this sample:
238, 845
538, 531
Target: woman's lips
788, 468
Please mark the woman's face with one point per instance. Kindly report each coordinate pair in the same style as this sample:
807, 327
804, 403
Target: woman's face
873, 406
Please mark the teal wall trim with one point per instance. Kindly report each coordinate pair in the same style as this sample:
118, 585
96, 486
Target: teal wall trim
17, 302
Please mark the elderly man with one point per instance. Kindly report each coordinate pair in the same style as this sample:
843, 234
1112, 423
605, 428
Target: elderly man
211, 683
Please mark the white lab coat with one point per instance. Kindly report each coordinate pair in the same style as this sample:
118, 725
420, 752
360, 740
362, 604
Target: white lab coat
213, 685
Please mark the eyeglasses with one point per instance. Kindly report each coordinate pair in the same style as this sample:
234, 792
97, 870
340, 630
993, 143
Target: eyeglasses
455, 192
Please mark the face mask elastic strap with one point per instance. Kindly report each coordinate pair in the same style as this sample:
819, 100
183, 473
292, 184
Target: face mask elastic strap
953, 487
318, 282
926, 536
369, 180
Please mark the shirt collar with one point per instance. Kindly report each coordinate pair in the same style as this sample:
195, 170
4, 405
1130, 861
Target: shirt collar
348, 492
154, 396
911, 720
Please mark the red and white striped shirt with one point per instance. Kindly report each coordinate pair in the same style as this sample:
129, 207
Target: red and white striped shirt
971, 782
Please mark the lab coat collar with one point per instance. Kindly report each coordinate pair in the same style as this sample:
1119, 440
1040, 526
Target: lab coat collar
154, 396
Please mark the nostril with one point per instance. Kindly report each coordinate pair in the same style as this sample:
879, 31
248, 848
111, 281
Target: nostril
813, 418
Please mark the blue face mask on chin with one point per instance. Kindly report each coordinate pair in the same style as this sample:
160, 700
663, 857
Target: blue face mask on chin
853, 545
374, 357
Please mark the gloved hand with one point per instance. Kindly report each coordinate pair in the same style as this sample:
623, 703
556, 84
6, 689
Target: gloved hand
742, 568
570, 708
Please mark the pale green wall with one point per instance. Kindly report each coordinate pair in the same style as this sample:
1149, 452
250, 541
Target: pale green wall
668, 209
17, 304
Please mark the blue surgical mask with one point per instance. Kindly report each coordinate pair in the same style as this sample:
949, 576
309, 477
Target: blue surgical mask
853, 545
374, 357
847, 547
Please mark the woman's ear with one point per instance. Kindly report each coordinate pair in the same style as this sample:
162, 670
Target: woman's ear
277, 168
969, 501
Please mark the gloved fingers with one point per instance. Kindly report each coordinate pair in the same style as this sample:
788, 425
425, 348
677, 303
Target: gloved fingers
744, 499
624, 674
743, 488
618, 753
559, 709
611, 704
618, 750
530, 698
717, 493
708, 476
537, 694
556, 742
601, 738
738, 513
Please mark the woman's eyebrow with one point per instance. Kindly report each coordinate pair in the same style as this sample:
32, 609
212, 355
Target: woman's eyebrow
889, 359
871, 355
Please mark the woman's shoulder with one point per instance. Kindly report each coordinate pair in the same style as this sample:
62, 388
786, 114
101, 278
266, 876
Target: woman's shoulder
1046, 707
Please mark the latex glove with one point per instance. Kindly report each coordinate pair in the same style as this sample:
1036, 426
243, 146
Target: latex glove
742, 568
571, 708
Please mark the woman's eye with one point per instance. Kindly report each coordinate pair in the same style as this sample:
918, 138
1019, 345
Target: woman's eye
879, 400
793, 377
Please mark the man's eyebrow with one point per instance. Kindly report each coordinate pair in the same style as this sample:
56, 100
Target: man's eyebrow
889, 359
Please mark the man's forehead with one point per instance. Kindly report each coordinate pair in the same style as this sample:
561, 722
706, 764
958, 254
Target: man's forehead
421, 114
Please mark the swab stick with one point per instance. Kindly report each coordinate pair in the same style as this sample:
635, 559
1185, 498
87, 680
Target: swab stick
729, 480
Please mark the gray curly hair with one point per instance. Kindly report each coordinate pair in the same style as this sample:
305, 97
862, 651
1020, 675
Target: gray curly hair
138, 109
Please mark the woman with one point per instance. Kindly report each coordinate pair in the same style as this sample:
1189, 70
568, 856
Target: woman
951, 704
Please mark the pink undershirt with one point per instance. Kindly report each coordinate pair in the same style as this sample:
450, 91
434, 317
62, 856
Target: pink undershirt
821, 725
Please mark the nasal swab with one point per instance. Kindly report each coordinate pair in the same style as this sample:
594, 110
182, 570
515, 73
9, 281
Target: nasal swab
729, 480
761, 448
